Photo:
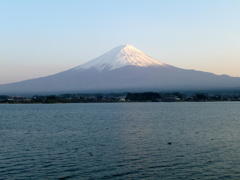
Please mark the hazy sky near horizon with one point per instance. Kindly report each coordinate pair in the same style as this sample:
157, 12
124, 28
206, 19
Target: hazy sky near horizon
39, 38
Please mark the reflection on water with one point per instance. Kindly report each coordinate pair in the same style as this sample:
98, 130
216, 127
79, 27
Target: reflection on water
120, 141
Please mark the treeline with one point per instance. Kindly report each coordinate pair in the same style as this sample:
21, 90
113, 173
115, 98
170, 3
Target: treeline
175, 97
64, 98
121, 97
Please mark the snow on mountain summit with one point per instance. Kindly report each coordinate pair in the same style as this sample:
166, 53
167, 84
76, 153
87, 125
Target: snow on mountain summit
121, 56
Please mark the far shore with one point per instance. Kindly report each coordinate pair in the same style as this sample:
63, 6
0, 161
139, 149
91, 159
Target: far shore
121, 98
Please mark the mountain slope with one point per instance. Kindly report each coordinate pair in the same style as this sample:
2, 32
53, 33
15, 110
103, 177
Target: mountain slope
124, 68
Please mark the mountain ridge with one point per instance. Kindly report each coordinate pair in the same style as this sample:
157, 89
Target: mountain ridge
124, 67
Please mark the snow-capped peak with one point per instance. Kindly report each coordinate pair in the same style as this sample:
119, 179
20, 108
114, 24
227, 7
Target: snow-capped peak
121, 56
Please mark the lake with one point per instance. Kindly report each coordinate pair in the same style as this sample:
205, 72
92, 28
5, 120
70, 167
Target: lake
177, 141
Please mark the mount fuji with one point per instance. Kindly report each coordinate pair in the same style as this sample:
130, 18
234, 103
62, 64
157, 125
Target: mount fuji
124, 68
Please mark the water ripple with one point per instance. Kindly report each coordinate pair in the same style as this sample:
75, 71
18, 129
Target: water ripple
120, 141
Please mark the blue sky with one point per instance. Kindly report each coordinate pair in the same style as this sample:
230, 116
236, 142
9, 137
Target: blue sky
38, 38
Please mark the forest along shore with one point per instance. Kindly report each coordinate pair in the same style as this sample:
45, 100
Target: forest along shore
120, 97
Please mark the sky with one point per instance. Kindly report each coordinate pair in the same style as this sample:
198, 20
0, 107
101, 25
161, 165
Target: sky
43, 37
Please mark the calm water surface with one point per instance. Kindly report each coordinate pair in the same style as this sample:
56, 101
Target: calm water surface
120, 141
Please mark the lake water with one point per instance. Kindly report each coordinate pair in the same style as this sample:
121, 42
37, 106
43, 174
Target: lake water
120, 141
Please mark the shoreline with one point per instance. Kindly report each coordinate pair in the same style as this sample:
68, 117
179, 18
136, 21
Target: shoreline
121, 98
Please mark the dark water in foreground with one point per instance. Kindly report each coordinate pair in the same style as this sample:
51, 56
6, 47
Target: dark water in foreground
120, 141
